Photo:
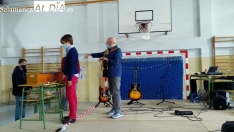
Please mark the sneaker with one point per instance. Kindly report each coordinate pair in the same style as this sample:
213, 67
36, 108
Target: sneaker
66, 117
117, 115
111, 112
69, 120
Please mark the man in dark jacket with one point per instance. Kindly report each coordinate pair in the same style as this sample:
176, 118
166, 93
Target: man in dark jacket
19, 77
113, 56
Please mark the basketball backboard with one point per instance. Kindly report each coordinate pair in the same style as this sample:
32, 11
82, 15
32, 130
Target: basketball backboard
158, 12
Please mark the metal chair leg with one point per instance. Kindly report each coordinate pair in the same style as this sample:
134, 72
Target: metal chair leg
21, 108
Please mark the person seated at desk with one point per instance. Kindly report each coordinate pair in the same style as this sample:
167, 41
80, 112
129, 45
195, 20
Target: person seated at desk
19, 77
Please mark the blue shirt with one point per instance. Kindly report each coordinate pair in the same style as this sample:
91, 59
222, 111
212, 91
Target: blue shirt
114, 62
70, 65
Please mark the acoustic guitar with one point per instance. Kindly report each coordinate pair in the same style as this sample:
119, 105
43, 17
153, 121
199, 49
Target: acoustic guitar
135, 93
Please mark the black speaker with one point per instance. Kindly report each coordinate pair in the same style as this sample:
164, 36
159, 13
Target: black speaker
228, 126
220, 101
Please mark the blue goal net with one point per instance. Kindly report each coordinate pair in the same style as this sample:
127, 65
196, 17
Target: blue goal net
154, 74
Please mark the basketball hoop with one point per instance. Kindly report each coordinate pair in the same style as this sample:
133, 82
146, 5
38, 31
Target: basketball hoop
144, 27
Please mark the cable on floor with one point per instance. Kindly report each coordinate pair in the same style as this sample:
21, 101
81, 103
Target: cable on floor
142, 110
193, 117
159, 111
215, 131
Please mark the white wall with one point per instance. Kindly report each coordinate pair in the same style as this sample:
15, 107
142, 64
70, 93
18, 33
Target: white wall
223, 24
195, 22
1, 31
223, 17
43, 29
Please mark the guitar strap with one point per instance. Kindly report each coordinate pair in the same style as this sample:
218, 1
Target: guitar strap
106, 53
102, 68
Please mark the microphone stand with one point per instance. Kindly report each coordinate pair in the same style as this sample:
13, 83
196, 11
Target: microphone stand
162, 86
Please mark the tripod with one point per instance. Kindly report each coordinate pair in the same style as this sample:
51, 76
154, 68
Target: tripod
106, 104
163, 98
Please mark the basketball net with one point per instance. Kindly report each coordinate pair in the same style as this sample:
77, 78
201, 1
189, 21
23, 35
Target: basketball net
144, 28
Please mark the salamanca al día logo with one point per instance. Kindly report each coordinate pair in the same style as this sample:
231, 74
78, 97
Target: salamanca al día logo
49, 6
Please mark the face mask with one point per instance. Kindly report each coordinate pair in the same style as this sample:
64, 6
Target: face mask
108, 46
64, 46
23, 66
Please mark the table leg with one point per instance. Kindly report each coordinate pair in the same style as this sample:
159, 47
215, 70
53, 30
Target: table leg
42, 105
188, 98
9, 100
209, 103
21, 108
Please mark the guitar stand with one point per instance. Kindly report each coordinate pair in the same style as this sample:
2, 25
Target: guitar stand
136, 102
165, 101
106, 104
